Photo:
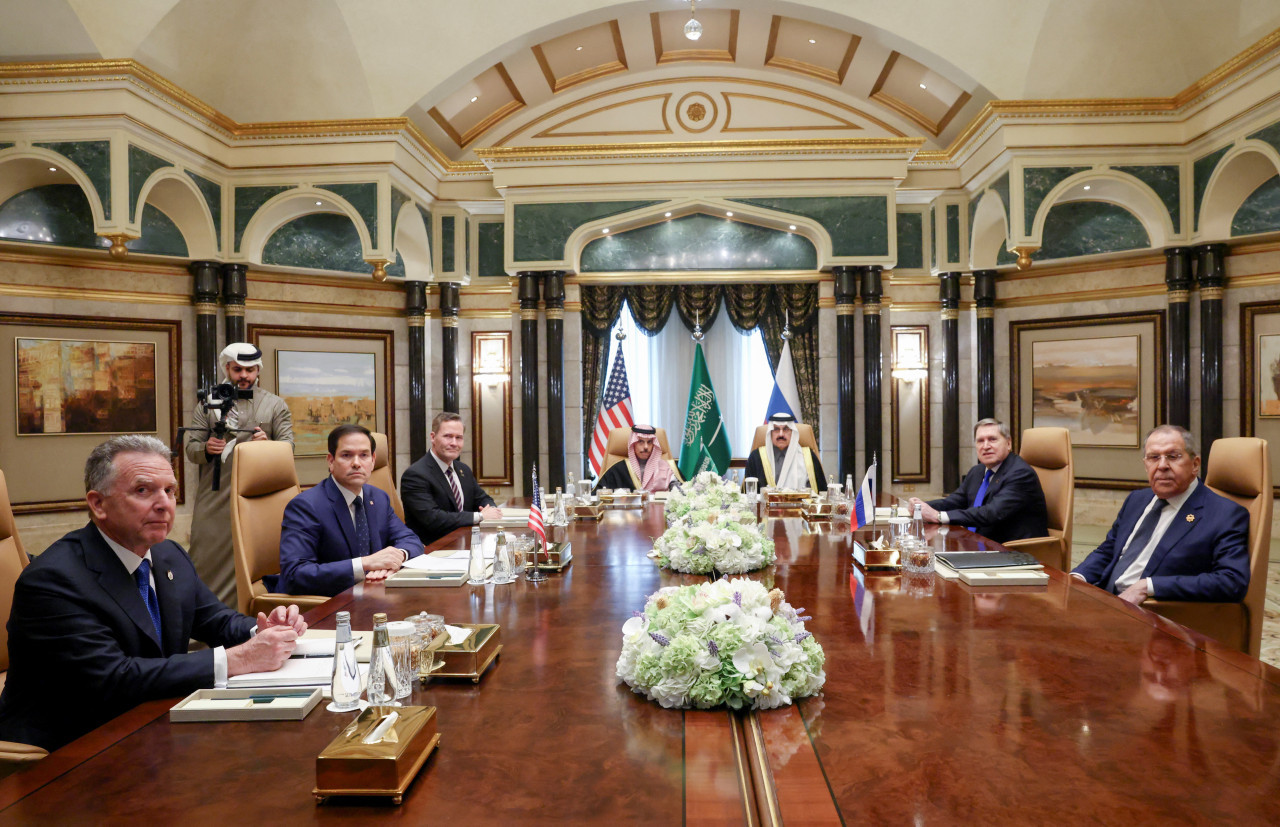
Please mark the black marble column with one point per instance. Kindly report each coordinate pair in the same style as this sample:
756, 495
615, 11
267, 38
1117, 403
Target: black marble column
1177, 277
204, 295
415, 315
846, 307
873, 369
529, 444
984, 296
553, 301
949, 293
235, 288
1211, 277
449, 303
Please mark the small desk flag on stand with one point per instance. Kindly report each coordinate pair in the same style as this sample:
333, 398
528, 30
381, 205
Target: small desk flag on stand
535, 514
864, 505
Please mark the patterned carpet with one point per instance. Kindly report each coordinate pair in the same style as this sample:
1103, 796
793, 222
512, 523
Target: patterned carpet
1086, 538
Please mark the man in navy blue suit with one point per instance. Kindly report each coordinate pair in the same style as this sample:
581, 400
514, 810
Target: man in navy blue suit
342, 532
102, 620
1176, 540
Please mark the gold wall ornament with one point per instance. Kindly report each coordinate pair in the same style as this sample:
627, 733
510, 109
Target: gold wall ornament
1024, 256
118, 251
379, 270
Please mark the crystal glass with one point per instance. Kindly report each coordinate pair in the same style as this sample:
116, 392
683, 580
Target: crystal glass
834, 493
400, 634
750, 487
503, 562
915, 555
477, 570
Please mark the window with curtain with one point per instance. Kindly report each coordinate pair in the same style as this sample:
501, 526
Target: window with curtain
659, 369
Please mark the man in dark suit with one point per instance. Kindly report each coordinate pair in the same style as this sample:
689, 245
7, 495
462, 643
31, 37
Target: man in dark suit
1176, 540
101, 621
999, 498
441, 494
342, 531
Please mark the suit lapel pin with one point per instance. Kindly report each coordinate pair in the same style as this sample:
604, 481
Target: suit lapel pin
1191, 518
170, 574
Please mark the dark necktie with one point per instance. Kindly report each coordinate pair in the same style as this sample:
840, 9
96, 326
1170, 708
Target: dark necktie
453, 484
362, 526
143, 578
1140, 539
982, 493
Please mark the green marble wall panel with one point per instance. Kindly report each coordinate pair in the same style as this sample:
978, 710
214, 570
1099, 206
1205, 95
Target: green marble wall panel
395, 269
248, 200
1001, 187
490, 240
1166, 181
160, 235
953, 232
542, 230
52, 214
1268, 135
398, 200
364, 198
858, 224
1003, 256
1260, 212
5, 145
447, 244
321, 241
1202, 171
212, 193
1037, 182
426, 218
699, 242
94, 160
1082, 228
466, 233
910, 241
141, 165
971, 213
933, 247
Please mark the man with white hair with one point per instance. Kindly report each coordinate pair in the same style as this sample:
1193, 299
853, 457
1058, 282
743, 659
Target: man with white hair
645, 469
783, 462
257, 414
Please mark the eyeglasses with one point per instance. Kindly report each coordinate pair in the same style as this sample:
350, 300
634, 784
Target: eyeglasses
1154, 459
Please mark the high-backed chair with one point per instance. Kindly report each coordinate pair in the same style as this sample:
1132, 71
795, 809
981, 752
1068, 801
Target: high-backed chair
1240, 470
1048, 451
263, 480
13, 559
381, 475
615, 450
803, 430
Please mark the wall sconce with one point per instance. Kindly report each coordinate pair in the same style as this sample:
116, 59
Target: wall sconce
491, 361
910, 349
909, 403
491, 406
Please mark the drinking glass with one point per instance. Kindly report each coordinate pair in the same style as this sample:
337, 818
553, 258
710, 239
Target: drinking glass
477, 570
400, 635
750, 486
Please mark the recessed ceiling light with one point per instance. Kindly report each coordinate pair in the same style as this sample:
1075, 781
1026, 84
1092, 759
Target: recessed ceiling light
668, 215
729, 214
53, 169
579, 49
812, 41
605, 230
319, 203
793, 226
475, 98
1086, 187
922, 86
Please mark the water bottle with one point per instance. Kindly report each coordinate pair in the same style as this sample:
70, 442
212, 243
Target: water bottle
571, 488
503, 561
917, 523
345, 684
382, 669
848, 488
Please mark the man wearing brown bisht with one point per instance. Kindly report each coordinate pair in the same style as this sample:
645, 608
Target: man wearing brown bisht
644, 469
257, 414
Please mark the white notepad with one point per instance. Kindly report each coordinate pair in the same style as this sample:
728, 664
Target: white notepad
294, 672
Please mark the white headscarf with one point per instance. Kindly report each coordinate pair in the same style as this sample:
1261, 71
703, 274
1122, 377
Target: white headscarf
656, 474
793, 474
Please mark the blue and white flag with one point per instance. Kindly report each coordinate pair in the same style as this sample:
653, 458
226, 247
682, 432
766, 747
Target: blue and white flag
785, 398
864, 505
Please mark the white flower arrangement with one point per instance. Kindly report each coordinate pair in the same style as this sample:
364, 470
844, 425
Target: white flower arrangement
728, 542
725, 643
705, 492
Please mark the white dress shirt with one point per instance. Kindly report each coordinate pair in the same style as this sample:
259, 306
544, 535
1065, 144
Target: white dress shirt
357, 568
444, 469
1130, 575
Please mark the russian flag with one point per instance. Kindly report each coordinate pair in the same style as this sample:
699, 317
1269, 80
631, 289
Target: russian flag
785, 397
864, 505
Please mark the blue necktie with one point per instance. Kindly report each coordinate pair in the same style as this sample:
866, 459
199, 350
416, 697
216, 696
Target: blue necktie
1140, 539
143, 578
982, 492
362, 526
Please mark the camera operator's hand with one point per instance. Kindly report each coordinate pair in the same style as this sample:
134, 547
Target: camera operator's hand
214, 446
258, 434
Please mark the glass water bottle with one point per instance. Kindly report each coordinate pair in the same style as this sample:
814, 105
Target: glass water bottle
345, 684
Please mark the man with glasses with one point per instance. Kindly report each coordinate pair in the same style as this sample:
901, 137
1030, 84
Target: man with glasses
1176, 540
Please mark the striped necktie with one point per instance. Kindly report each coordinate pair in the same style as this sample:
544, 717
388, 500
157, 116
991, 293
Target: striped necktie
453, 484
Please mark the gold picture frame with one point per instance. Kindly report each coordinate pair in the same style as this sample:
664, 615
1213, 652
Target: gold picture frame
1259, 336
60, 485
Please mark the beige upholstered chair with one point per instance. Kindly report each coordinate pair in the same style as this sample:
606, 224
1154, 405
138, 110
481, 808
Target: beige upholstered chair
263, 480
1048, 450
381, 476
616, 449
13, 559
1240, 470
805, 432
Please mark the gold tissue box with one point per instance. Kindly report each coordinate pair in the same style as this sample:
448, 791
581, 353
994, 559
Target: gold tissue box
557, 556
471, 657
348, 766
774, 498
594, 511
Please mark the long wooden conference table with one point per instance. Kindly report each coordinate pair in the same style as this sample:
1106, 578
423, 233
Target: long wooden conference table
943, 704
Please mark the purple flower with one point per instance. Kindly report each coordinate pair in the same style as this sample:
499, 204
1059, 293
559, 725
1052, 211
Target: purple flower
660, 638
711, 647
803, 617
802, 635
737, 598
775, 641
637, 614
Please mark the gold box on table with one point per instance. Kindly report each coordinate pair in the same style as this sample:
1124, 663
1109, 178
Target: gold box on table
623, 499
348, 766
815, 510
471, 657
775, 498
558, 555
592, 511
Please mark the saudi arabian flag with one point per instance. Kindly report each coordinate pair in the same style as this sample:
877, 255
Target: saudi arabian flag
706, 445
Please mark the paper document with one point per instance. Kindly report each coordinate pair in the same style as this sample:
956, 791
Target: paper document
319, 643
429, 562
295, 672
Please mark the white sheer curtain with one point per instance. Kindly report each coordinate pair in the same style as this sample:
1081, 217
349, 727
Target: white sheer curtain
659, 369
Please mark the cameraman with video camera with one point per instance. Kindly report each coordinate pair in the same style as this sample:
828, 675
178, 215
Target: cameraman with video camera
239, 412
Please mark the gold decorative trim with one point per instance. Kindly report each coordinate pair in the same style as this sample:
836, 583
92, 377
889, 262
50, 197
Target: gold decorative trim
277, 306
1259, 280
1211, 294
416, 320
234, 310
871, 309
205, 308
1120, 263
82, 294
528, 314
555, 313
711, 121
449, 321
487, 291
1082, 296
846, 309
487, 314
757, 751
811, 146
841, 123
986, 312
950, 314
1179, 296
701, 277
559, 133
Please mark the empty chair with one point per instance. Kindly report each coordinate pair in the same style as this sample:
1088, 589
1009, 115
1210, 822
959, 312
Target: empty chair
1048, 451
263, 480
381, 476
13, 559
1240, 470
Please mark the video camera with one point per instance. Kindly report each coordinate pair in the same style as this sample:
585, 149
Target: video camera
218, 401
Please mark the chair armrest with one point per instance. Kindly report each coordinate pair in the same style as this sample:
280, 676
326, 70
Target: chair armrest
1048, 550
267, 602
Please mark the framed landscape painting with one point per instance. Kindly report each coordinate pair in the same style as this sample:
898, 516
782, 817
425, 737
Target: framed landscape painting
73, 386
323, 390
1088, 386
1260, 377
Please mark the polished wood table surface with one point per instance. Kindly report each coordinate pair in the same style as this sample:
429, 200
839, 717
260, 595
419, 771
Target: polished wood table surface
943, 704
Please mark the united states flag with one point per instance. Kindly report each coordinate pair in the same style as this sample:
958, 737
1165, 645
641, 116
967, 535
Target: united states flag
615, 412
535, 512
